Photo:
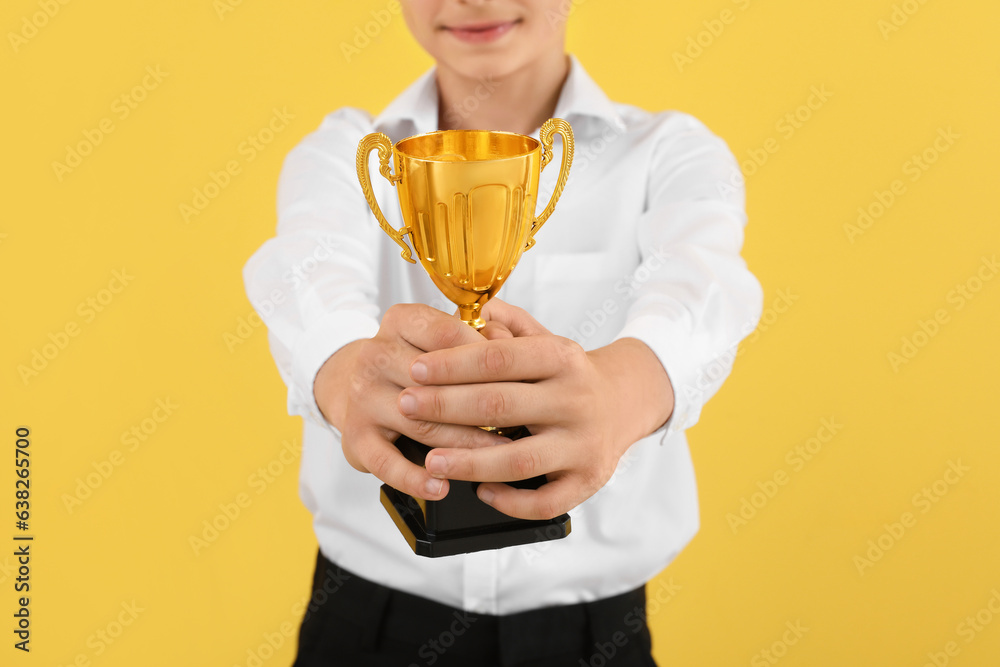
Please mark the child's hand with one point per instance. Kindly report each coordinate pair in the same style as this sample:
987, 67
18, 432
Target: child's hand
357, 389
584, 410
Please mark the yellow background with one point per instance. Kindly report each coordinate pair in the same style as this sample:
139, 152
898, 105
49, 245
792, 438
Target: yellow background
163, 336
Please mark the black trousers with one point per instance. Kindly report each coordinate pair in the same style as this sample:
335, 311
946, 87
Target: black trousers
354, 622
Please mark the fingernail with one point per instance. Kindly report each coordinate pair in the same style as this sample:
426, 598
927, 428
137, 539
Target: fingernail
407, 403
486, 495
418, 371
433, 487
437, 465
501, 440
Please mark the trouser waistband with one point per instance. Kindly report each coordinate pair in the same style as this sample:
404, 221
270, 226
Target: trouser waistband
380, 612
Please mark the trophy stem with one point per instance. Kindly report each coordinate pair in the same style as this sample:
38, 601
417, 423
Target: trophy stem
470, 314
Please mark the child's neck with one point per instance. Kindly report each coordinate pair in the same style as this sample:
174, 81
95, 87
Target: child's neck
517, 102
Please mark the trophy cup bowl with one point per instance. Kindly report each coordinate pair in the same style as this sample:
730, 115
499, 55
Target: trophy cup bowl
468, 200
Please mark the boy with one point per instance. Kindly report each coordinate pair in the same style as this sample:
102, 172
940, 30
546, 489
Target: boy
640, 296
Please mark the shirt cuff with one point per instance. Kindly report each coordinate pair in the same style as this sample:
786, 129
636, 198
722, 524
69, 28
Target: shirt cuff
332, 332
673, 347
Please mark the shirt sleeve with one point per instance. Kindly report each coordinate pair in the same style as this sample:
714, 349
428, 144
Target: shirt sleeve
693, 311
314, 284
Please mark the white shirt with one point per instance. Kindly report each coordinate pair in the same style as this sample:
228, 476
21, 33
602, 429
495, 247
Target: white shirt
644, 243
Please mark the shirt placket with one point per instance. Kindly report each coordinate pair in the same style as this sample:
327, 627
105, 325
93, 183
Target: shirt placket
480, 580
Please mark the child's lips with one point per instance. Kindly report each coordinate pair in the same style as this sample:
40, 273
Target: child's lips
478, 33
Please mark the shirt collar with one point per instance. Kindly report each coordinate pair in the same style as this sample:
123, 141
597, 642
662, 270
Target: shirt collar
415, 110
582, 98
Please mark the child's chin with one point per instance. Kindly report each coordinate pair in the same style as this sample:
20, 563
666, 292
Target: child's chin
488, 63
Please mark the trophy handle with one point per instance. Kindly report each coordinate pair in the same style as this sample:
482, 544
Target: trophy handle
384, 146
550, 127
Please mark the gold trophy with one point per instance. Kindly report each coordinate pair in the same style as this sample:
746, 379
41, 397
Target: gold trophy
468, 203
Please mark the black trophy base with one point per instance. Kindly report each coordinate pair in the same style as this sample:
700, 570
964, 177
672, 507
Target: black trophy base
460, 522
